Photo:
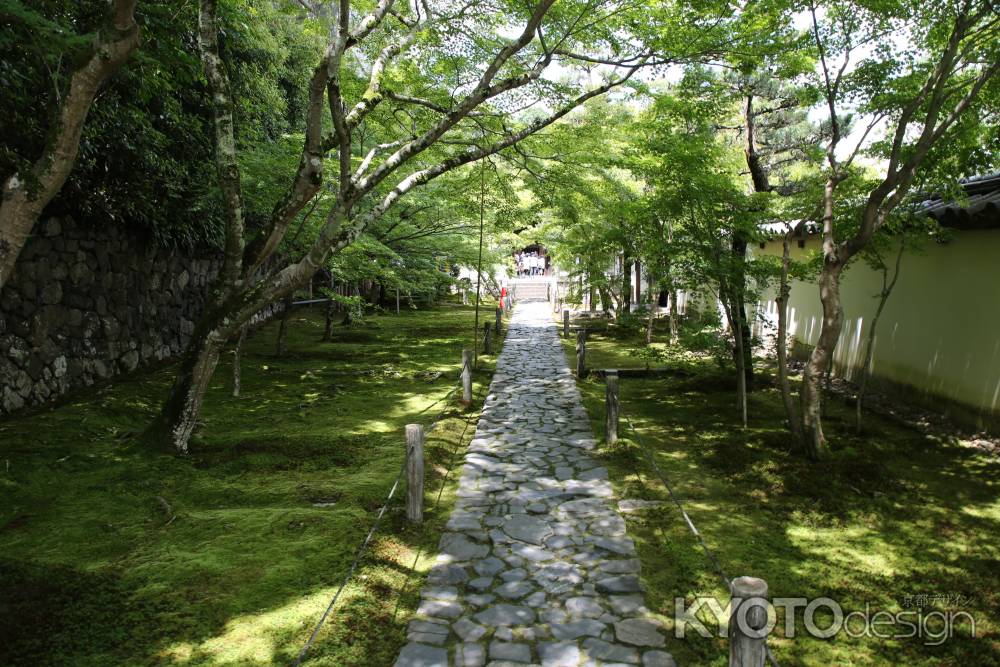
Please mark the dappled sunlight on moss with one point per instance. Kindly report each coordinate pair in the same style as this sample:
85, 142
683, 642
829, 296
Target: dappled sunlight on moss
892, 513
254, 639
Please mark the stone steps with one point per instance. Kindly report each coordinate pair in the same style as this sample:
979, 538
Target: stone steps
530, 289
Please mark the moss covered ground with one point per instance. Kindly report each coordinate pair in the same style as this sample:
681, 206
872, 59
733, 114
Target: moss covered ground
893, 515
111, 554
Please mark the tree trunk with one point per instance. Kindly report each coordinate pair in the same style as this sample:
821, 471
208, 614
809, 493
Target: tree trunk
182, 409
605, 300
673, 317
25, 196
226, 162
626, 298
784, 290
286, 312
649, 323
739, 250
637, 283
820, 359
328, 326
741, 375
237, 361
866, 366
728, 300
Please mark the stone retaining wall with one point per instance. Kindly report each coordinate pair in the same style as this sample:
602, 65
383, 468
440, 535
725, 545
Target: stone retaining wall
86, 304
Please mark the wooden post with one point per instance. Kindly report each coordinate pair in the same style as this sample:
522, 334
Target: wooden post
487, 338
548, 291
414, 473
397, 301
611, 406
750, 606
467, 377
496, 326
565, 324
581, 353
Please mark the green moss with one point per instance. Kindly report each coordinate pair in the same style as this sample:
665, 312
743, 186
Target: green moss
264, 516
894, 513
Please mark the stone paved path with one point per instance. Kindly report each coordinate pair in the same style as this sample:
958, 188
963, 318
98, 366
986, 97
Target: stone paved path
535, 567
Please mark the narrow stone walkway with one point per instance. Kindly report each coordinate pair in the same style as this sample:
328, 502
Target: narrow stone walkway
535, 567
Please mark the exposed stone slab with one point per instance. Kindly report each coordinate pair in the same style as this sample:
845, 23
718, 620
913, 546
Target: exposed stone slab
639, 632
527, 528
505, 614
421, 655
461, 548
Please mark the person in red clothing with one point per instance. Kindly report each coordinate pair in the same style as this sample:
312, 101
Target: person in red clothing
503, 297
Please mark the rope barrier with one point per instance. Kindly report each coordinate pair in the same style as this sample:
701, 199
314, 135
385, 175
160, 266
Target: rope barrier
726, 581
359, 554
357, 558
437, 502
378, 519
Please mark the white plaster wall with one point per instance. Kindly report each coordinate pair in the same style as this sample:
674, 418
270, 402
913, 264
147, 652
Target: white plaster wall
940, 330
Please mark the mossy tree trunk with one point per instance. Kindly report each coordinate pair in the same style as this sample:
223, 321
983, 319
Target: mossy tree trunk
181, 412
238, 362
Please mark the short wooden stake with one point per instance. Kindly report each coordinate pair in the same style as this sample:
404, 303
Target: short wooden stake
414, 473
565, 324
581, 353
467, 377
611, 406
487, 338
496, 326
748, 623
